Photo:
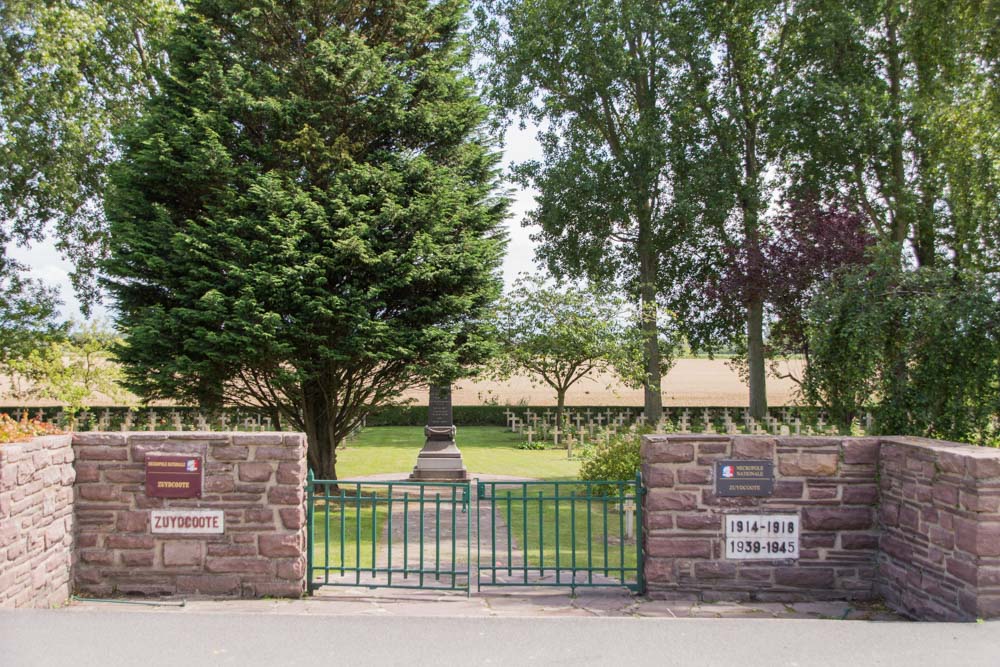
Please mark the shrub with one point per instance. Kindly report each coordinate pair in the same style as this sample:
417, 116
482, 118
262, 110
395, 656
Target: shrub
921, 347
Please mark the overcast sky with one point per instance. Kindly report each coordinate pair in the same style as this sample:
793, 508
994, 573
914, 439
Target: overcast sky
520, 145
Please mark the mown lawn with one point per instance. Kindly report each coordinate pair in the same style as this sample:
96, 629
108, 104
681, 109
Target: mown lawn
489, 450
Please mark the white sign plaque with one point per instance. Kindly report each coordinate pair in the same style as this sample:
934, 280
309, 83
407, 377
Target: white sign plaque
188, 521
762, 536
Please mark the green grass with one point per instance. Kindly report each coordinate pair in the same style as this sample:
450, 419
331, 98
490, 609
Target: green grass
490, 450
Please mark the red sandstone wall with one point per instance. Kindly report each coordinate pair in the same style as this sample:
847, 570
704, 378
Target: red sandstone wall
258, 479
36, 522
830, 482
940, 518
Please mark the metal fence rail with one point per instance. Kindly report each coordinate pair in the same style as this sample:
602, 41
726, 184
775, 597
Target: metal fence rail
580, 533
395, 534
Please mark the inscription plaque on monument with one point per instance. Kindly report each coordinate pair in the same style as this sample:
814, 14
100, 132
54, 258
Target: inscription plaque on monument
739, 477
439, 411
440, 459
173, 475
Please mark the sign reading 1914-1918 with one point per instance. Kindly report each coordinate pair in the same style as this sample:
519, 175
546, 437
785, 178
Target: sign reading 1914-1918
737, 477
762, 536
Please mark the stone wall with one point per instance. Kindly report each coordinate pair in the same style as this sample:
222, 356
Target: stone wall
912, 520
36, 521
258, 480
940, 519
830, 482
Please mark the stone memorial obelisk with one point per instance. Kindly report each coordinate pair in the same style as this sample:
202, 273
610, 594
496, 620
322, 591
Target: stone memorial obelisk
439, 460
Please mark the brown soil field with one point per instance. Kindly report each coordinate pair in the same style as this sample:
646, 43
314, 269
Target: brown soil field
691, 382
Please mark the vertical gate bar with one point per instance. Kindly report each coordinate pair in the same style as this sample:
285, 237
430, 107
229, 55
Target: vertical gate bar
357, 546
493, 529
621, 530
541, 535
640, 571
590, 536
454, 554
388, 532
604, 498
572, 534
326, 522
421, 571
406, 534
437, 536
510, 540
480, 487
468, 539
311, 531
556, 496
343, 528
524, 517
374, 523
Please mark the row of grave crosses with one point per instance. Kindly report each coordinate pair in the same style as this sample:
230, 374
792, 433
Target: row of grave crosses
153, 421
584, 423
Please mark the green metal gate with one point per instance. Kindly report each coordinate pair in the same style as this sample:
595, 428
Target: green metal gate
576, 534
394, 534
405, 534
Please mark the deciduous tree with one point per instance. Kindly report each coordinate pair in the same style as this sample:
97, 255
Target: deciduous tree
623, 181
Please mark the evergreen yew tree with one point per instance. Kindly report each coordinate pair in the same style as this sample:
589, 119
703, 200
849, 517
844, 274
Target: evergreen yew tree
306, 215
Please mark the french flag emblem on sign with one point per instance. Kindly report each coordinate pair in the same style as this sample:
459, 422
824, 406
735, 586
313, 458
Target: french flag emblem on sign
728, 472
192, 465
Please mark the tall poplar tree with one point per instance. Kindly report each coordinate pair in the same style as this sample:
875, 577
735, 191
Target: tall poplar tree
895, 104
306, 216
622, 182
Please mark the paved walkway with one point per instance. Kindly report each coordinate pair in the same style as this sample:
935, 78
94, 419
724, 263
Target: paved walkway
535, 602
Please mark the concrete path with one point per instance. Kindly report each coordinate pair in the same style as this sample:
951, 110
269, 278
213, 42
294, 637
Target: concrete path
297, 633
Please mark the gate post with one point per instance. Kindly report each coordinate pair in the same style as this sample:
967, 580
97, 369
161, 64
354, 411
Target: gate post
310, 537
640, 559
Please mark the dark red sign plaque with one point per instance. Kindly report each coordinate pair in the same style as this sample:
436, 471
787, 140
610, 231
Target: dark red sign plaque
173, 475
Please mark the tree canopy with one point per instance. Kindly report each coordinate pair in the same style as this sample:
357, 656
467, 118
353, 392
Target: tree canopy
559, 335
306, 216
71, 72
626, 171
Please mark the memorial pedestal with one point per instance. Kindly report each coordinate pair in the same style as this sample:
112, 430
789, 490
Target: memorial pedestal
439, 460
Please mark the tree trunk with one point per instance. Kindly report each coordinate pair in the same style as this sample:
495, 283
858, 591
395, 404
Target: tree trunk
560, 404
322, 446
755, 354
653, 398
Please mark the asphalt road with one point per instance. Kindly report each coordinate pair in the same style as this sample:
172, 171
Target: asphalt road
110, 638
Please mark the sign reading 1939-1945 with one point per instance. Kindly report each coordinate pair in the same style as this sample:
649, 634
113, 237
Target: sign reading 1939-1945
762, 536
736, 477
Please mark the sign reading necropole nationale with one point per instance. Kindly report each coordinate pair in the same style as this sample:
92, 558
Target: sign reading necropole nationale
744, 478
173, 475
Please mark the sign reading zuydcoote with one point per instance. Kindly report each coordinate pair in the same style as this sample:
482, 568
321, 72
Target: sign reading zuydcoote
738, 477
173, 476
188, 521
